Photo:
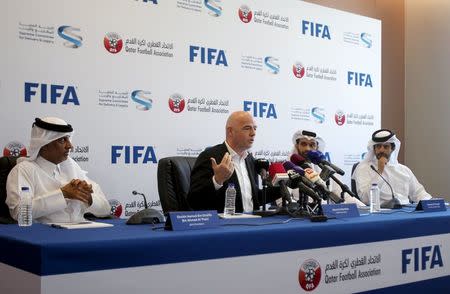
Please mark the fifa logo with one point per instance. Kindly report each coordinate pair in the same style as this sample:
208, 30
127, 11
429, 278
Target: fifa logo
316, 30
133, 154
207, 55
52, 92
423, 258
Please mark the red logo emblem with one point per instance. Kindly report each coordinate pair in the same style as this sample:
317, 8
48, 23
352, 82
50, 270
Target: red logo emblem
15, 149
245, 14
116, 207
176, 103
339, 117
309, 275
299, 70
113, 43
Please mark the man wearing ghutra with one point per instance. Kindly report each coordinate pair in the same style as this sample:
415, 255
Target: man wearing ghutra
60, 189
381, 157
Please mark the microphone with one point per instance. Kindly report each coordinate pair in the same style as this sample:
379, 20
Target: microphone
279, 177
145, 200
394, 203
298, 180
318, 158
277, 173
261, 166
145, 216
315, 178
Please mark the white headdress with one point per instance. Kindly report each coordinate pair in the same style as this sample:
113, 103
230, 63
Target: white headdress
383, 136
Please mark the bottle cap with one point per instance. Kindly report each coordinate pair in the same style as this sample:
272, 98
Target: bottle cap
230, 185
25, 189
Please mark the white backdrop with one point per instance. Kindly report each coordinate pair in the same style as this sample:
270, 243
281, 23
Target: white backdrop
116, 70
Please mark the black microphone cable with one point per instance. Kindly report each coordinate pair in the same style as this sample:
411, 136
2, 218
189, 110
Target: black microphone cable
394, 203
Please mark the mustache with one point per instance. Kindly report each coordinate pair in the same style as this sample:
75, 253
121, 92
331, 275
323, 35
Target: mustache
382, 154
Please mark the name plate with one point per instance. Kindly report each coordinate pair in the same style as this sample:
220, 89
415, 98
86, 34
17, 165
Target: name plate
191, 220
431, 205
340, 210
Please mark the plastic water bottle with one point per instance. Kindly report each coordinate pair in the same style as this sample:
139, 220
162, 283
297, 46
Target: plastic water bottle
25, 218
374, 198
230, 200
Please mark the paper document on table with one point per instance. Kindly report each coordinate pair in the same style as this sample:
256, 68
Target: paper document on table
80, 225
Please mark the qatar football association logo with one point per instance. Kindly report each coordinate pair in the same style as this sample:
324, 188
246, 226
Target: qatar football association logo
113, 43
116, 207
15, 149
309, 275
339, 118
299, 70
245, 14
176, 103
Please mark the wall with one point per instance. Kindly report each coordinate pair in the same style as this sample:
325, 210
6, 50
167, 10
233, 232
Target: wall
427, 88
391, 14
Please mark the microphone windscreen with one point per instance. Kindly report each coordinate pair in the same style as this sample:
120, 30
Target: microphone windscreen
315, 156
290, 166
297, 159
276, 168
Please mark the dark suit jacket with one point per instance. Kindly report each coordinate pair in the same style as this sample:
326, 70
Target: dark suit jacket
202, 194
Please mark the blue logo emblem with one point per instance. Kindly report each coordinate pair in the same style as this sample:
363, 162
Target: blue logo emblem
153, 1
52, 92
261, 109
140, 97
133, 154
318, 114
272, 64
207, 55
422, 258
315, 30
366, 38
359, 79
73, 40
213, 7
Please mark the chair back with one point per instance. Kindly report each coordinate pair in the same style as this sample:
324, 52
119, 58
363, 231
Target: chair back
174, 176
6, 164
353, 182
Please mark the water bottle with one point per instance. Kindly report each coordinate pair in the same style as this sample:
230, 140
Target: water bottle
230, 200
25, 218
374, 198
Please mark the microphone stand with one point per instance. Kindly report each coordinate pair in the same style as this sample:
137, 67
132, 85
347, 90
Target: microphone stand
264, 212
285, 199
394, 203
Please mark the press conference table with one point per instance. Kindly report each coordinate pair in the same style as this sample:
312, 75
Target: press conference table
245, 256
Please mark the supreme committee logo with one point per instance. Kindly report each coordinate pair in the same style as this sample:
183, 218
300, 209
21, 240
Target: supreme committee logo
176, 103
113, 42
70, 36
299, 70
245, 14
309, 275
15, 149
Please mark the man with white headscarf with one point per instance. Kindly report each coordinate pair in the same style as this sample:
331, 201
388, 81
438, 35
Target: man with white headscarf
305, 141
60, 189
381, 159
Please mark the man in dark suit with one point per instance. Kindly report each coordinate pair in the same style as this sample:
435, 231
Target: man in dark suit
229, 162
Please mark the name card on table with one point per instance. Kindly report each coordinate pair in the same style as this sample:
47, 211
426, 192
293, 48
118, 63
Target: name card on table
431, 205
340, 210
191, 220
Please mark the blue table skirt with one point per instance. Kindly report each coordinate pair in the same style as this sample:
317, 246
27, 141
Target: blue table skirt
44, 250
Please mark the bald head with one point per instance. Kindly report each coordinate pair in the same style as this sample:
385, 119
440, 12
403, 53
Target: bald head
240, 131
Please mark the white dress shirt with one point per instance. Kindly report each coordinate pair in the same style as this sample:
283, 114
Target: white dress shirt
45, 180
243, 178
